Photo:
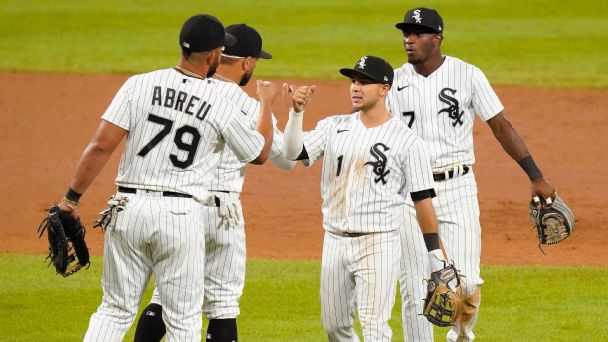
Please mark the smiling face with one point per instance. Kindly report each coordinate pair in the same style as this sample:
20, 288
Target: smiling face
421, 44
365, 93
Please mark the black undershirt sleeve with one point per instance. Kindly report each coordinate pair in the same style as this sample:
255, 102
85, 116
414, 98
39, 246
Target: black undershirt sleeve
303, 155
423, 194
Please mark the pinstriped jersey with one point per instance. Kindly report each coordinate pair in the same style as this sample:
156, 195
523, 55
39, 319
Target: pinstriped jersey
177, 126
230, 173
441, 108
367, 172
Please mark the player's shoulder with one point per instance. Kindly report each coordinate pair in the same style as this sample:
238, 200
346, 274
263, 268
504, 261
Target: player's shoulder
404, 134
226, 88
457, 63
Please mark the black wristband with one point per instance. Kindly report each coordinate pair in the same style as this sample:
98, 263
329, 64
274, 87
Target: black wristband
72, 196
431, 240
529, 166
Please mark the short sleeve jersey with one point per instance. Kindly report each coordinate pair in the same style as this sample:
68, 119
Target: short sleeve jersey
441, 108
177, 128
367, 172
230, 173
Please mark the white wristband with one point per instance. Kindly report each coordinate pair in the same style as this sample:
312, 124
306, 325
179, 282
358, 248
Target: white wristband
292, 112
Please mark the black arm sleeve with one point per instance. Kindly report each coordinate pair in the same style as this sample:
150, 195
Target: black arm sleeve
423, 194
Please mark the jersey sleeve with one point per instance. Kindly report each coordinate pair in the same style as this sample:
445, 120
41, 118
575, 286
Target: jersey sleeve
119, 111
277, 140
417, 168
316, 140
486, 103
251, 107
240, 137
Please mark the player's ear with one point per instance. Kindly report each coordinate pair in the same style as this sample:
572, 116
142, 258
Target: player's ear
384, 88
214, 55
245, 62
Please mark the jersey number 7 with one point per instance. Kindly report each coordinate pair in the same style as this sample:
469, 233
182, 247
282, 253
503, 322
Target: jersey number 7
411, 118
189, 147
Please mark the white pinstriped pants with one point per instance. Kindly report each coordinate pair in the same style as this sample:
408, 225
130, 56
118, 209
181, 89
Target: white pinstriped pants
225, 261
359, 272
156, 234
457, 211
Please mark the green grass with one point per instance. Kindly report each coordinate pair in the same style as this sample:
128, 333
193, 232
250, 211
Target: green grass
281, 303
548, 43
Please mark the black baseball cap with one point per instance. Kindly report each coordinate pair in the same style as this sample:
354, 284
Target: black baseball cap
422, 17
204, 32
248, 42
372, 67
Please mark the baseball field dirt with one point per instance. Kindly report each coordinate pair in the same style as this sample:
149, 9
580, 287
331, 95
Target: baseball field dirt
48, 119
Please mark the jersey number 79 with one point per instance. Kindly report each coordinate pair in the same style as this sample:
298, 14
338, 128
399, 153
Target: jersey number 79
189, 147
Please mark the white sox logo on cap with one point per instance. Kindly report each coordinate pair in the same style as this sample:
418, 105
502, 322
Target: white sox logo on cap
417, 16
362, 62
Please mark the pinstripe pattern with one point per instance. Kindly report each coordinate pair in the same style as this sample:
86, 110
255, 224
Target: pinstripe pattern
225, 257
229, 175
177, 126
354, 202
450, 143
359, 272
361, 195
130, 110
156, 234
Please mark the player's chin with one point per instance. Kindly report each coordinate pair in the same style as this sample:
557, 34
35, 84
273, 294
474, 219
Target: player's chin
412, 59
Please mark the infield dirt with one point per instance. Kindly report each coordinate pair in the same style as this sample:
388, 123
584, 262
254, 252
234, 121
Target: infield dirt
48, 119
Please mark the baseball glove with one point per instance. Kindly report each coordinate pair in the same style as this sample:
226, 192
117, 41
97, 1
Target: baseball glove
67, 249
442, 302
554, 221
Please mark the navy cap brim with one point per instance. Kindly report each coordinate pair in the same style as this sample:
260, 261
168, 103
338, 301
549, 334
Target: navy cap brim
265, 55
403, 26
229, 40
351, 72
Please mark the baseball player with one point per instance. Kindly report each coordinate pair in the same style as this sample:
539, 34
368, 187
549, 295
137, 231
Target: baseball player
438, 97
175, 125
372, 162
225, 254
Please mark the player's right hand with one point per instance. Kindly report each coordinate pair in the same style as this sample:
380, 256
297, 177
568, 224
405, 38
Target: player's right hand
267, 91
300, 96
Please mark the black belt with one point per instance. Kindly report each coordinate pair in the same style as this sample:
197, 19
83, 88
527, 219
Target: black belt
165, 193
440, 176
347, 234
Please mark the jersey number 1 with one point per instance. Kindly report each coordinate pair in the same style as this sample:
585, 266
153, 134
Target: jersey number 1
189, 147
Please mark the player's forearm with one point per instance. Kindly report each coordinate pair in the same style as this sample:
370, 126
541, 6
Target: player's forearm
294, 138
425, 213
265, 128
90, 164
514, 145
96, 155
508, 137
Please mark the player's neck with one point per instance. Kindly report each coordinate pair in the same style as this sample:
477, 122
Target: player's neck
224, 73
192, 69
375, 116
430, 65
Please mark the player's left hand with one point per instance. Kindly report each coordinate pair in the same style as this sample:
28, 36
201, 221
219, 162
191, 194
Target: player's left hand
230, 214
542, 189
266, 91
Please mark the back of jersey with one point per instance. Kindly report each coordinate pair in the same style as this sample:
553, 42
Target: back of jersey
175, 125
